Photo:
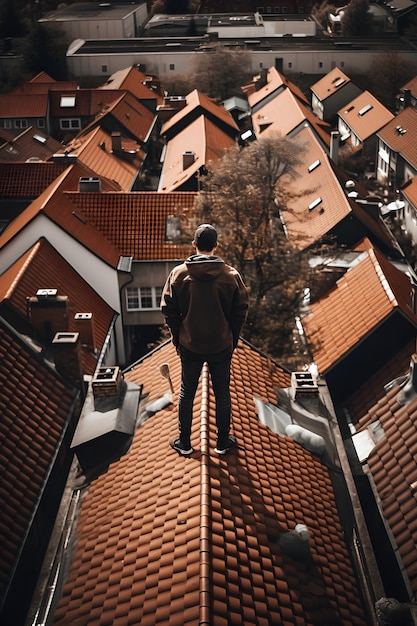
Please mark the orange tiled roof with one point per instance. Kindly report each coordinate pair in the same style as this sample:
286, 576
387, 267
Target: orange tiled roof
12, 106
94, 149
136, 222
409, 191
58, 207
43, 86
330, 84
206, 141
393, 467
405, 143
163, 539
284, 114
276, 82
132, 115
35, 406
365, 115
135, 81
29, 144
87, 102
198, 102
27, 180
365, 296
315, 179
43, 267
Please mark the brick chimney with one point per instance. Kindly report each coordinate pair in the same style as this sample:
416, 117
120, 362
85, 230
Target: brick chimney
48, 313
107, 382
66, 349
84, 325
116, 141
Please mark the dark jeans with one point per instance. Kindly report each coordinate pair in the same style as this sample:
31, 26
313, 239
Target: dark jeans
219, 368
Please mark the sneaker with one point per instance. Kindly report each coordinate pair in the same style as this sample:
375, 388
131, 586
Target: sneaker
185, 450
229, 444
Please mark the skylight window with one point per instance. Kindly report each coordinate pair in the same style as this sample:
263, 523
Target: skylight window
40, 138
315, 203
339, 82
67, 101
314, 165
365, 109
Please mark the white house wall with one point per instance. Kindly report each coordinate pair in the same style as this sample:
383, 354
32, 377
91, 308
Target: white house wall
100, 276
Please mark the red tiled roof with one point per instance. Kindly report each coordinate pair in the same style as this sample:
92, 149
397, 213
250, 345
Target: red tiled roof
405, 143
135, 81
132, 115
35, 404
163, 539
87, 102
275, 83
365, 296
315, 179
42, 267
365, 115
393, 466
284, 113
94, 149
201, 137
58, 207
332, 82
43, 86
136, 222
27, 180
196, 100
409, 191
12, 106
29, 144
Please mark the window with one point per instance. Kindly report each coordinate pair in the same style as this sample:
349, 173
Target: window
172, 66
104, 69
67, 101
70, 124
5, 123
289, 65
20, 123
320, 63
41, 123
138, 298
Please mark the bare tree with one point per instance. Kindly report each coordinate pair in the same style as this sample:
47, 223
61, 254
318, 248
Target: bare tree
356, 19
220, 72
389, 72
241, 197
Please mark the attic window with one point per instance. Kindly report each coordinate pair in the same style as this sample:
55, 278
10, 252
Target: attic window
314, 165
315, 203
365, 109
67, 101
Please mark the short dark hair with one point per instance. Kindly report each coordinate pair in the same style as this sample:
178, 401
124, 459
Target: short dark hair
205, 237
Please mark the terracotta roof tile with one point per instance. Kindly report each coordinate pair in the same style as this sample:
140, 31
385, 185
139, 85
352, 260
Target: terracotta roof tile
205, 142
35, 405
315, 184
393, 466
197, 103
42, 267
403, 143
361, 300
365, 115
94, 150
136, 222
275, 83
87, 102
332, 82
27, 180
142, 86
14, 106
132, 115
29, 144
202, 532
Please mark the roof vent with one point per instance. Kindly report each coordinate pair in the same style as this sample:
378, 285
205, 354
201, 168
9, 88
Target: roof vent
304, 384
400, 130
315, 203
314, 165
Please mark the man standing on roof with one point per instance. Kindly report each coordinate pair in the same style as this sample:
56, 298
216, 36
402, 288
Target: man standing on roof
205, 305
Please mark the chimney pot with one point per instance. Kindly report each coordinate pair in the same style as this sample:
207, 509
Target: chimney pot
107, 382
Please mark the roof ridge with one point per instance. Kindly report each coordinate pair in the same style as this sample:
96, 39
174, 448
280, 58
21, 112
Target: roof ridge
205, 519
382, 278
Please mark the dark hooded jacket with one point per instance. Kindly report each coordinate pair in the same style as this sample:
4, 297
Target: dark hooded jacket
205, 304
